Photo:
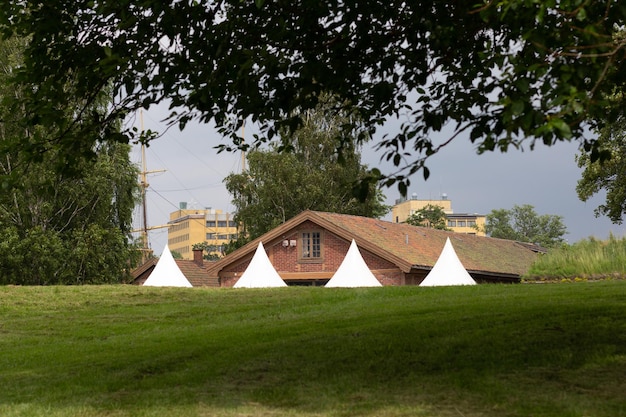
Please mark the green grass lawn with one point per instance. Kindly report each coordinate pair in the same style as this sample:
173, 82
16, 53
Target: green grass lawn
486, 350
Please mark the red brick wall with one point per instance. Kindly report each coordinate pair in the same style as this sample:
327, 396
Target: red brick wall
390, 277
285, 259
228, 281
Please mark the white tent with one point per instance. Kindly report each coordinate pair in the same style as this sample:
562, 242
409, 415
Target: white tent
166, 273
260, 273
448, 270
353, 271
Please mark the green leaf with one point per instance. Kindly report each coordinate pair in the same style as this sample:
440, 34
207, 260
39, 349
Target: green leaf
562, 127
517, 107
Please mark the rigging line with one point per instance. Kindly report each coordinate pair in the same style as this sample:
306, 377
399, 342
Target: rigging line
202, 187
194, 154
168, 201
181, 183
170, 171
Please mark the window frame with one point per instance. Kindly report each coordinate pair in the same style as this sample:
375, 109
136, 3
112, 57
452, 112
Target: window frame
311, 243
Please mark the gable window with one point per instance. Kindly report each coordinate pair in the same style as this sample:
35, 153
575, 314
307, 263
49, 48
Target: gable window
311, 245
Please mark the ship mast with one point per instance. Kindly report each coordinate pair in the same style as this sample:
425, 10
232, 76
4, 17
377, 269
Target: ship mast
144, 205
143, 183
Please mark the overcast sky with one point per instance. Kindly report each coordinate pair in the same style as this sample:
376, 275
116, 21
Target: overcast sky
544, 178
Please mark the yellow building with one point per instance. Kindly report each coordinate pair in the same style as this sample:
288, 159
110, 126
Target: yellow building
188, 227
473, 224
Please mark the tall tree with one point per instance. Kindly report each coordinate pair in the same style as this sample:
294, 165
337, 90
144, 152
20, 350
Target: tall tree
522, 223
60, 225
431, 216
279, 185
501, 73
608, 173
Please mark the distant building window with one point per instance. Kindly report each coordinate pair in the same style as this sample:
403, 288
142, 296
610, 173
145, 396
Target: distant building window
311, 245
461, 223
232, 223
471, 223
451, 223
210, 236
222, 223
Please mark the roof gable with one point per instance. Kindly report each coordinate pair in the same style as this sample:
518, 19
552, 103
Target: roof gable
404, 245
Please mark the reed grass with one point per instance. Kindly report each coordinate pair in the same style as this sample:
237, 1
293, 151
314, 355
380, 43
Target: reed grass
586, 259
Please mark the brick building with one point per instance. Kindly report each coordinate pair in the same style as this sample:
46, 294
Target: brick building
308, 249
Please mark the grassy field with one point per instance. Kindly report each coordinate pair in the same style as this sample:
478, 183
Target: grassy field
487, 350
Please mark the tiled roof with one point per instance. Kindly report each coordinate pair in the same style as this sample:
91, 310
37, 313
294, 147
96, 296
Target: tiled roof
195, 274
420, 246
143, 271
404, 245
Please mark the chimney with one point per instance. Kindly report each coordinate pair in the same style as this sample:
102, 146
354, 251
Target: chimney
197, 257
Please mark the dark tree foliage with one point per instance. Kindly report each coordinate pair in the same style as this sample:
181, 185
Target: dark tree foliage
498, 72
430, 216
60, 226
608, 175
311, 176
522, 223
69, 229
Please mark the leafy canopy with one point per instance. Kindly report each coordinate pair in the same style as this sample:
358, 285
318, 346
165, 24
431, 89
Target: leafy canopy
312, 176
60, 227
431, 216
608, 175
499, 72
522, 223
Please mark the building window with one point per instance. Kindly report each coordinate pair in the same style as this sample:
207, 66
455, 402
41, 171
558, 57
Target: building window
461, 223
311, 245
471, 223
451, 223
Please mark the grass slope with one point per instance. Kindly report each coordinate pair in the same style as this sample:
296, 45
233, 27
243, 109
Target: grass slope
487, 350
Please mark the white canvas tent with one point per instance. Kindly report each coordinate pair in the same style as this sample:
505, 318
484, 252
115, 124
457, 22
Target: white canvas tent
353, 271
260, 273
448, 270
166, 273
